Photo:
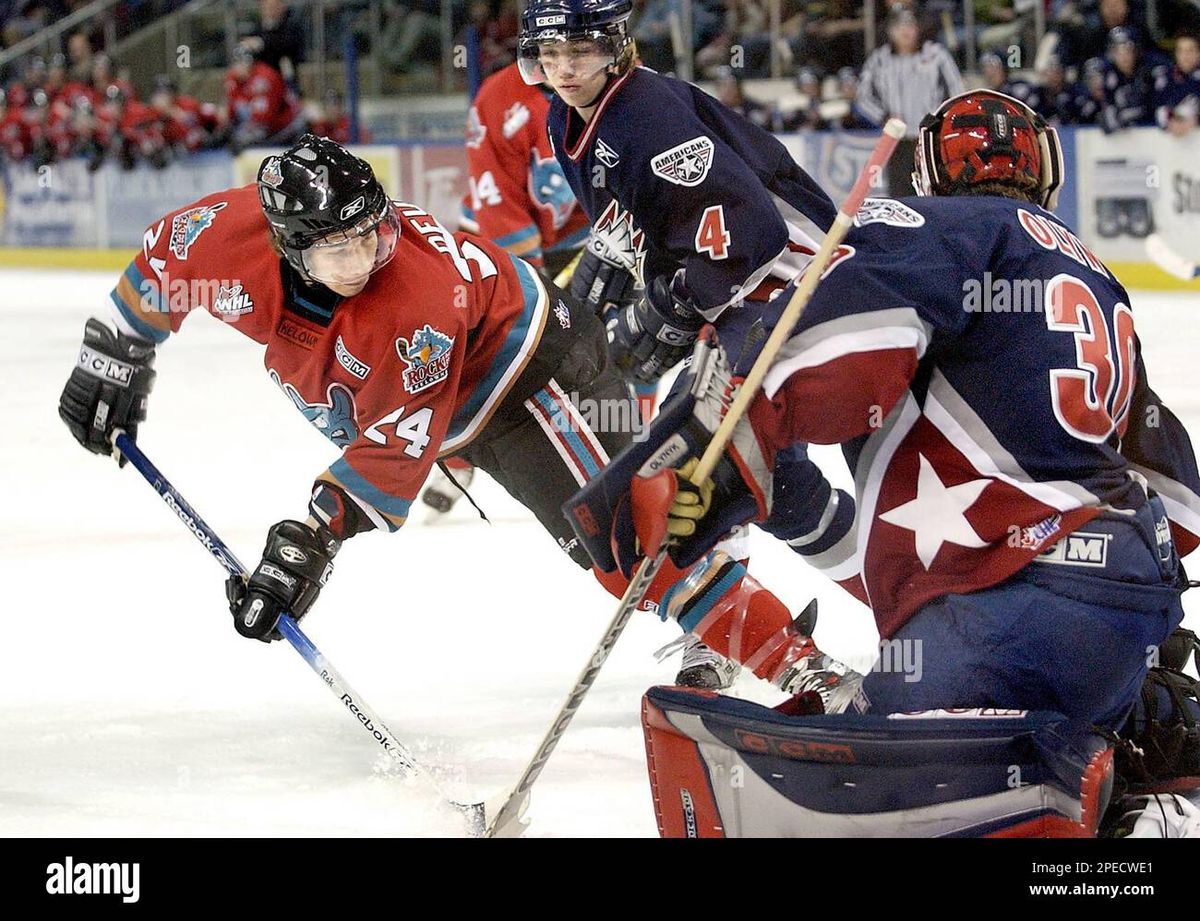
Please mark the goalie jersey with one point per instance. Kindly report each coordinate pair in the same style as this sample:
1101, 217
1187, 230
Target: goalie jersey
411, 368
981, 366
670, 178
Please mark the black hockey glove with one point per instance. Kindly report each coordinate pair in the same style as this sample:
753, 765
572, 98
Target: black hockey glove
650, 337
600, 280
109, 388
296, 563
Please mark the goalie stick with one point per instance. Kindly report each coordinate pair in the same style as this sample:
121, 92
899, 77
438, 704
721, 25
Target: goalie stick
509, 820
473, 814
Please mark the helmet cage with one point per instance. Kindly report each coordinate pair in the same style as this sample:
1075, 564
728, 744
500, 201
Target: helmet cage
931, 178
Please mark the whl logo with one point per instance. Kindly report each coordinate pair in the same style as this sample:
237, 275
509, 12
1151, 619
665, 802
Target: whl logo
232, 301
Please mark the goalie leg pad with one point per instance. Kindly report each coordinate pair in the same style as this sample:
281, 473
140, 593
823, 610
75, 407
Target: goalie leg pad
867, 776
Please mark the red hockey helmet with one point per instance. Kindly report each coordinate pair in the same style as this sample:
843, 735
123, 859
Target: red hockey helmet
985, 136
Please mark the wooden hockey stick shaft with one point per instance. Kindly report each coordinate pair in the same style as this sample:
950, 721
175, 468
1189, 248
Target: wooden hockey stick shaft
507, 821
893, 131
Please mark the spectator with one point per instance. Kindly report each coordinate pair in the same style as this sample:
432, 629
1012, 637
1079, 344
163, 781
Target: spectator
16, 138
908, 80
79, 50
852, 120
497, 35
833, 37
135, 130
653, 31
262, 109
31, 16
996, 77
1177, 92
1057, 97
279, 42
1087, 36
35, 115
1128, 85
808, 115
1090, 97
103, 77
412, 34
731, 95
188, 124
334, 122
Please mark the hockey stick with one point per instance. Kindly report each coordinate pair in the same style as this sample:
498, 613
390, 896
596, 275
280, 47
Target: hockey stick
508, 820
1169, 260
473, 814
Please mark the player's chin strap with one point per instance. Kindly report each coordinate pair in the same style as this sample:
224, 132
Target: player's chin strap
462, 489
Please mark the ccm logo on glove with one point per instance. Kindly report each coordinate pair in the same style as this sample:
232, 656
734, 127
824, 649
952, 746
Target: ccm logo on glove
106, 367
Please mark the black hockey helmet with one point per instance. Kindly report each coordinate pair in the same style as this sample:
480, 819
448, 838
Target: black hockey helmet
603, 21
317, 195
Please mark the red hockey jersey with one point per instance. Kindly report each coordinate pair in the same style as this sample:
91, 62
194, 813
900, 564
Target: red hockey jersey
518, 195
262, 98
411, 368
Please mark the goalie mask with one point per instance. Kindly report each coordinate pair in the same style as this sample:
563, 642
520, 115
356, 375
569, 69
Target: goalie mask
329, 216
985, 136
593, 32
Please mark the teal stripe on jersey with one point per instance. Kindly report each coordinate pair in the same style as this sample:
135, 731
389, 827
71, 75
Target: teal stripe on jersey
505, 357
372, 495
150, 294
517, 236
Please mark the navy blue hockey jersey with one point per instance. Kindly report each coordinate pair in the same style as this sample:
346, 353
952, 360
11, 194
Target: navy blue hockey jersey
982, 363
1176, 92
671, 178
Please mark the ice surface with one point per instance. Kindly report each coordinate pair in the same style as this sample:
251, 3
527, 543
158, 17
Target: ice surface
128, 705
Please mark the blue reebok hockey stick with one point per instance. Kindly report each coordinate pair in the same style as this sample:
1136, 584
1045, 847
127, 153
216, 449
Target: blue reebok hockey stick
472, 813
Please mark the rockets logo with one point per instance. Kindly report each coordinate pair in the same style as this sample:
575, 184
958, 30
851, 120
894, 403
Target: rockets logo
187, 226
549, 189
623, 240
427, 357
686, 164
335, 419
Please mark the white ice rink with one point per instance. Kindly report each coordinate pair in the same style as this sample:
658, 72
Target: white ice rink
128, 705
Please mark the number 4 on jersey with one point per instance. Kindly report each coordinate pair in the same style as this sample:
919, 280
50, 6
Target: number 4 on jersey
711, 236
414, 429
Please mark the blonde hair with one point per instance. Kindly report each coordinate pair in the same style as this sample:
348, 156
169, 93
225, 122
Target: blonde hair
627, 60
